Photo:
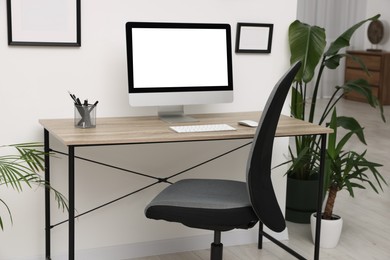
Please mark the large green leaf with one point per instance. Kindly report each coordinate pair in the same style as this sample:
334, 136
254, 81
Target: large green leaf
362, 87
333, 136
307, 44
343, 40
334, 61
351, 124
297, 104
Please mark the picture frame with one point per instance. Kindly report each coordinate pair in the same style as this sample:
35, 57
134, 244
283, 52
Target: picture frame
44, 23
254, 37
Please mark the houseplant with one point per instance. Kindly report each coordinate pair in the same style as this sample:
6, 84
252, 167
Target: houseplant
345, 169
21, 169
307, 43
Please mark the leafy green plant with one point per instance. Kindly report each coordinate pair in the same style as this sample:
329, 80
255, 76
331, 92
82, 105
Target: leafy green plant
22, 169
344, 169
307, 44
347, 169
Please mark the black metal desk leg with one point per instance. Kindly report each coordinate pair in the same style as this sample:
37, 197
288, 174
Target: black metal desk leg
320, 197
260, 240
71, 203
47, 195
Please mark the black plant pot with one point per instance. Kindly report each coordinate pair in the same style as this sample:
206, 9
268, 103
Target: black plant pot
301, 200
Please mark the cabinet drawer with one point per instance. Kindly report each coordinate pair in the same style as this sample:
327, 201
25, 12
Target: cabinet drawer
373, 78
371, 62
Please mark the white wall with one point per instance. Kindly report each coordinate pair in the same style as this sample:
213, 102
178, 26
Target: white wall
34, 82
380, 7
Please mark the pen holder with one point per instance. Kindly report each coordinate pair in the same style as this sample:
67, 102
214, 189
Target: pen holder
85, 116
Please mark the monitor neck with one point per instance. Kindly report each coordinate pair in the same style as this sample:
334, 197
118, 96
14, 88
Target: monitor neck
174, 114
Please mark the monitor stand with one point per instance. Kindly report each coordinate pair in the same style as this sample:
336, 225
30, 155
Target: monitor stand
174, 114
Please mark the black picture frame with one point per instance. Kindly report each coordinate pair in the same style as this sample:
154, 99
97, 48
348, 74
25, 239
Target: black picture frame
254, 37
57, 24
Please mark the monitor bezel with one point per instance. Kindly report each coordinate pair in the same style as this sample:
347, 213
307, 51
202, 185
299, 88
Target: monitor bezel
173, 25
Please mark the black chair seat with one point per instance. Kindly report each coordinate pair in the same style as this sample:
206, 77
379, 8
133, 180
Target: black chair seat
203, 203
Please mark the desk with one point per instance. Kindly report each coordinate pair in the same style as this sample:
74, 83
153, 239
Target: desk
142, 130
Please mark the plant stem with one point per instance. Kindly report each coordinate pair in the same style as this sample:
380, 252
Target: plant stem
330, 202
330, 106
304, 101
315, 92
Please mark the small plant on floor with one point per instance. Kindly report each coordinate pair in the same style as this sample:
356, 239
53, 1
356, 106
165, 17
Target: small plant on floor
21, 170
347, 169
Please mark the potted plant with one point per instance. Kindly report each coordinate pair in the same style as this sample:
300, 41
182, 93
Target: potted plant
21, 169
307, 43
345, 169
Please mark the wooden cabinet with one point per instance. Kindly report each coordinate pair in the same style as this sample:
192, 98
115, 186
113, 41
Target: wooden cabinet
378, 65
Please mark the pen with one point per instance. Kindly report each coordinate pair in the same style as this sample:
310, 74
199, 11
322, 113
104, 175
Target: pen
93, 106
73, 97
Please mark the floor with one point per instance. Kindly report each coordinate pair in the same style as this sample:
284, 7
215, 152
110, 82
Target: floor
366, 230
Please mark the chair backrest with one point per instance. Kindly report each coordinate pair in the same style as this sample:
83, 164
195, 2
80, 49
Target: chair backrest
258, 172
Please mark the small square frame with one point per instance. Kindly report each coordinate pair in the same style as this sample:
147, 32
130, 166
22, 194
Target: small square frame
44, 23
254, 37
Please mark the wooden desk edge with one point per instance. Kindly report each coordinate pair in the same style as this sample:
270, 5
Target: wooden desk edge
150, 129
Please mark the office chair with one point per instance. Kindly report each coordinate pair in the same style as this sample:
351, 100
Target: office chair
222, 205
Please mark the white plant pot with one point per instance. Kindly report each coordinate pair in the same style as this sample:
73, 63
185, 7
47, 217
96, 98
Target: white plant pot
330, 230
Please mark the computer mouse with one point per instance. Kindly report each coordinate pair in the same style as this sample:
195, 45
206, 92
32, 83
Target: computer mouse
249, 123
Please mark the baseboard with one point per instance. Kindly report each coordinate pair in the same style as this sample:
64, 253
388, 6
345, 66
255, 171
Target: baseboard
167, 246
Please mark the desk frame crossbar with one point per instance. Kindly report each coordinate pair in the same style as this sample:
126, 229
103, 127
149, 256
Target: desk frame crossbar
158, 180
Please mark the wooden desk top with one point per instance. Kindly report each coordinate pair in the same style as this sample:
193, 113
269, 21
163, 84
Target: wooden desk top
150, 129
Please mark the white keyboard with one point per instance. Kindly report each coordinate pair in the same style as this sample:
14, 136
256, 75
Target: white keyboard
202, 128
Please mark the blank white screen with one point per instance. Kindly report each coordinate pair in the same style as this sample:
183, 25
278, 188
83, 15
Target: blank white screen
179, 57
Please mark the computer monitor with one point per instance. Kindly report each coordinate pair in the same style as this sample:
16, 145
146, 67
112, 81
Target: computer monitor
175, 64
